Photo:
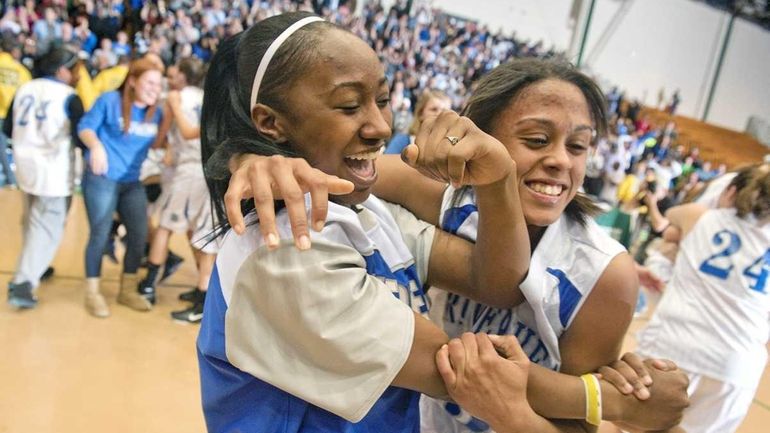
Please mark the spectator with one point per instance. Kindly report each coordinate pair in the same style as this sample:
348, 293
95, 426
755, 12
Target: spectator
12, 75
431, 103
42, 122
118, 131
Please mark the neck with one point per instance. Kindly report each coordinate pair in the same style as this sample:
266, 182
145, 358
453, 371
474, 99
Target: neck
535, 234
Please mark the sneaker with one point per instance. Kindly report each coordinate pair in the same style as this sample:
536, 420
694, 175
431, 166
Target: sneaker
193, 314
20, 295
147, 290
173, 262
191, 295
47, 274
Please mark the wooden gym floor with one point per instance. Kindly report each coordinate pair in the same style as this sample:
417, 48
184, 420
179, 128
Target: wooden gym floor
63, 371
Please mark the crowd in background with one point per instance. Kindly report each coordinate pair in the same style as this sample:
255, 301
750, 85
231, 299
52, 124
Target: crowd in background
425, 52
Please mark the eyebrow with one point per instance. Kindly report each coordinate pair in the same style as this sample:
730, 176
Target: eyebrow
356, 84
550, 124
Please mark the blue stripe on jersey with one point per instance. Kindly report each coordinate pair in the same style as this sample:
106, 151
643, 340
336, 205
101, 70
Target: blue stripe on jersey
569, 296
456, 216
473, 424
235, 401
407, 278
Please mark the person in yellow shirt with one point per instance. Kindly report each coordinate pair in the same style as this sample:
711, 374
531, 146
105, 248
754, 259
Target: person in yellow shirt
12, 75
111, 78
88, 89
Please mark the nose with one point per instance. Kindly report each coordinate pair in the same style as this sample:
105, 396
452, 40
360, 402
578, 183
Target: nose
376, 123
558, 157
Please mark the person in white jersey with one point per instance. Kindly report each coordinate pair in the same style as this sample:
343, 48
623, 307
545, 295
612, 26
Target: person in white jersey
581, 286
713, 318
184, 203
42, 123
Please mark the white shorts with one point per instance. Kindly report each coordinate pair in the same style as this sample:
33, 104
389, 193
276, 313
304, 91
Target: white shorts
185, 206
715, 406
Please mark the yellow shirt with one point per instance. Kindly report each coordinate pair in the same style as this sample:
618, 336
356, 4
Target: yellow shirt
12, 75
85, 89
105, 81
628, 189
110, 79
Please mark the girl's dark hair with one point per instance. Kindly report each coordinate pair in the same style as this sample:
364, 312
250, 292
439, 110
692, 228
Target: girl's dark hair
193, 70
496, 90
227, 128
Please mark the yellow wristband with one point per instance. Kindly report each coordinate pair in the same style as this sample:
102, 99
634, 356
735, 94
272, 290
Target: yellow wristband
593, 399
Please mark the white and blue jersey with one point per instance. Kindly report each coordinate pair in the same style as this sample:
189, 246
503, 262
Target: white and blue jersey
565, 266
309, 341
713, 318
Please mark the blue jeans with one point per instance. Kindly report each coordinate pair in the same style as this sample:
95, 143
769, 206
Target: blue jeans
102, 198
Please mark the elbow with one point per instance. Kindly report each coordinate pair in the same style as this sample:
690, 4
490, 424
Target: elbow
500, 296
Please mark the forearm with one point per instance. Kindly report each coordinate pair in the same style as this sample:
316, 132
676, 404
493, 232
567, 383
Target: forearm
419, 372
502, 233
89, 139
188, 130
561, 396
657, 220
516, 421
399, 183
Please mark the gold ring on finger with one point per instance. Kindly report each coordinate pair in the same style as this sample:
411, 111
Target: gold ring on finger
452, 139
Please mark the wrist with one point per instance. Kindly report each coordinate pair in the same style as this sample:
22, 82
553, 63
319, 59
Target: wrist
518, 418
503, 185
612, 401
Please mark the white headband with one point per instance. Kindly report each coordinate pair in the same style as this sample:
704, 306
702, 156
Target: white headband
271, 52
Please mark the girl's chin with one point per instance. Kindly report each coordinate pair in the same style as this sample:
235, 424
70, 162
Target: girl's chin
352, 199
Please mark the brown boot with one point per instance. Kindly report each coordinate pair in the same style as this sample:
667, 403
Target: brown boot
129, 294
96, 305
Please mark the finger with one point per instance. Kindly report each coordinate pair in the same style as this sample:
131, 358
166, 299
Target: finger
314, 180
426, 145
457, 357
471, 348
486, 348
294, 199
411, 154
264, 205
616, 379
445, 367
637, 363
664, 364
633, 378
508, 346
233, 197
339, 186
456, 158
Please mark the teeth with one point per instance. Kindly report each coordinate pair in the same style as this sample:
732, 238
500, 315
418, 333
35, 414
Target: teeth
546, 189
363, 156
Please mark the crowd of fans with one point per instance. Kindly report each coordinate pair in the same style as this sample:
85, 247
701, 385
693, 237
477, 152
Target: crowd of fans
422, 49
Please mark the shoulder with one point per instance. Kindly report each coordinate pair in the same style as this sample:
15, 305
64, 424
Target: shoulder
108, 97
588, 236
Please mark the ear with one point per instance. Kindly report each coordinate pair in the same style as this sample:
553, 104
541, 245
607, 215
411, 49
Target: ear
727, 198
269, 123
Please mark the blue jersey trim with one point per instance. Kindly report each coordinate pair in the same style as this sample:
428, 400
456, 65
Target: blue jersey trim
406, 277
569, 295
456, 216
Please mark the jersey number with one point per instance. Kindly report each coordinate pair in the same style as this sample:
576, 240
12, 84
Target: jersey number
718, 265
26, 104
